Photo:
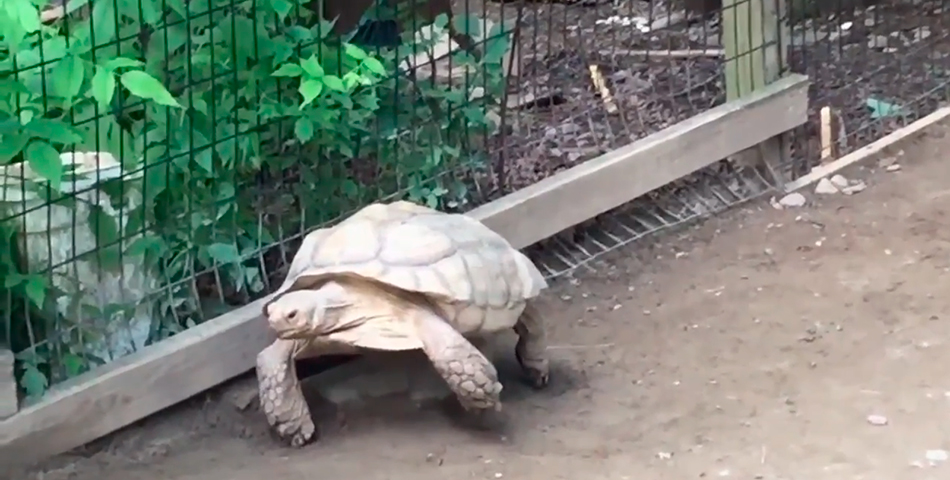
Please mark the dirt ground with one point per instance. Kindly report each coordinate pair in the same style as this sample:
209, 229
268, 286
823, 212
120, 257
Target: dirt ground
757, 345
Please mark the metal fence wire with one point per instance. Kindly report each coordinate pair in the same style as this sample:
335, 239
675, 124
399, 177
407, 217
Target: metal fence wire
161, 159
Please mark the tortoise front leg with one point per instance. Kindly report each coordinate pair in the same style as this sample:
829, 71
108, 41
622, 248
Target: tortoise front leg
281, 397
531, 350
469, 374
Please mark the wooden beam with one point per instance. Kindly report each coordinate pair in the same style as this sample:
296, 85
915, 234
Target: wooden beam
610, 180
159, 376
755, 57
872, 150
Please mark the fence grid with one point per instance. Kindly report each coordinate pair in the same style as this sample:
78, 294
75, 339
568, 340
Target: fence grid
162, 159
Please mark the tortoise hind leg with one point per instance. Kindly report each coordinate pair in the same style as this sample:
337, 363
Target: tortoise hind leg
281, 397
531, 350
469, 374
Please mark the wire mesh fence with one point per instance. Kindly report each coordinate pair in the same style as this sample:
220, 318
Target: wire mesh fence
876, 65
162, 159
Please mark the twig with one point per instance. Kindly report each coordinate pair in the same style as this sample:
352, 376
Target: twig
601, 85
689, 53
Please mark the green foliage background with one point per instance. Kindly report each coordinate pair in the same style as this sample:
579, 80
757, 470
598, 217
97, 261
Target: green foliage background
239, 124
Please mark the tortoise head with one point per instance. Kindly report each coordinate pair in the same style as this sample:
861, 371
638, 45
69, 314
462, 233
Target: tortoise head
304, 313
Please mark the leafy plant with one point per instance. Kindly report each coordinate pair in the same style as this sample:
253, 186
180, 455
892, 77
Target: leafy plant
203, 103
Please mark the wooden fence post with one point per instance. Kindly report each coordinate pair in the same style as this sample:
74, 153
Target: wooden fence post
8, 394
754, 45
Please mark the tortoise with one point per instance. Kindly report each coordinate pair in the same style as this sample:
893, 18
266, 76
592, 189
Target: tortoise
400, 276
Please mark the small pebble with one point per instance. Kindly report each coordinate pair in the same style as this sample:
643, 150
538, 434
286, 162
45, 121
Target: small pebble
936, 456
878, 420
825, 187
893, 168
852, 189
839, 181
792, 200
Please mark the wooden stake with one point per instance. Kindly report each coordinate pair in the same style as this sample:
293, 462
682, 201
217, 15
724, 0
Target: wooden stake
827, 142
601, 85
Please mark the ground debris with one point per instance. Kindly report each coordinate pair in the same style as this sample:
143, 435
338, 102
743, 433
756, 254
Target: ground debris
877, 420
825, 187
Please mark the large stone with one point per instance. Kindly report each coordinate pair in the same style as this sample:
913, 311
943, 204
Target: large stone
8, 395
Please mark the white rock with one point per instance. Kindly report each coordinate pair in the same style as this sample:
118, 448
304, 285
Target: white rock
825, 187
936, 456
893, 168
839, 181
877, 420
852, 189
793, 200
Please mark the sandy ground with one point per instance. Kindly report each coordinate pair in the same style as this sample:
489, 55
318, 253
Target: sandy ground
754, 346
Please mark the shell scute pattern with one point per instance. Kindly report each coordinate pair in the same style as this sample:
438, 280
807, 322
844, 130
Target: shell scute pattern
454, 258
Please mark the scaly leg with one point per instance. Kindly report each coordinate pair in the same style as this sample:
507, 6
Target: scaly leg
281, 397
531, 350
469, 374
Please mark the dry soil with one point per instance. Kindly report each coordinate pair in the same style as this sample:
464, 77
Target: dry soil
762, 344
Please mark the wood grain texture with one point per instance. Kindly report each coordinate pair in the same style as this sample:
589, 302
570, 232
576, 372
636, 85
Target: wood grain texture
180, 367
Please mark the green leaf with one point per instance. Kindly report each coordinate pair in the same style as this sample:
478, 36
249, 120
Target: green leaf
67, 77
13, 279
354, 52
300, 34
26, 13
374, 66
334, 82
74, 364
144, 85
497, 45
281, 7
103, 86
143, 245
55, 131
310, 89
303, 128
44, 160
33, 381
288, 70
36, 290
11, 146
351, 79
224, 252
881, 109
468, 25
312, 67
121, 62
107, 237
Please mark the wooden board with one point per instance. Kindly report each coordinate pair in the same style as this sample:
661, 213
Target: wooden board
100, 402
610, 180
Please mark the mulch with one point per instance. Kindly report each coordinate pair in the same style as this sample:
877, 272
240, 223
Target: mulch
893, 55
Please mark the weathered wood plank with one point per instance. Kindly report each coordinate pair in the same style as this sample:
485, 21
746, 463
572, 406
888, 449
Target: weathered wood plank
180, 367
610, 180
